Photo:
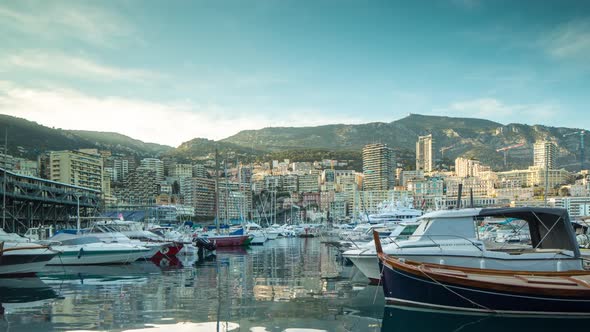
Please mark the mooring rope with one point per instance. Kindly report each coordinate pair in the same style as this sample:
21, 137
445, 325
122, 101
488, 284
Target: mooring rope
421, 268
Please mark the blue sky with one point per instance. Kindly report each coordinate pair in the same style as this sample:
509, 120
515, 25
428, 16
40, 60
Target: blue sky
169, 71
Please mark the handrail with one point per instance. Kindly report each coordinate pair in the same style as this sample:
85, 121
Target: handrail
430, 237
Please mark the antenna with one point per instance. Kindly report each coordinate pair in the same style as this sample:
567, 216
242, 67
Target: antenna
4, 179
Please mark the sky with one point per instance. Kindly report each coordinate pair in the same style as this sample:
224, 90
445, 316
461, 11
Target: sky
171, 71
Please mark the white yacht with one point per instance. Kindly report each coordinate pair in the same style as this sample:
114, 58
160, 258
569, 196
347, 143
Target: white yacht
256, 233
20, 256
450, 237
89, 250
394, 212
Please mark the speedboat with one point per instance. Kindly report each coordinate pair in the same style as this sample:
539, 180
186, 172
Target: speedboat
89, 250
256, 233
18, 256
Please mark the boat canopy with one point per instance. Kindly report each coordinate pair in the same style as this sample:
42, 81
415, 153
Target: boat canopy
550, 228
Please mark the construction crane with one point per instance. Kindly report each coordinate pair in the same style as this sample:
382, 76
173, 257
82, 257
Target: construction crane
506, 148
581, 133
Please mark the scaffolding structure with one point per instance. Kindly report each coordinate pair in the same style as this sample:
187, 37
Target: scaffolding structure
32, 202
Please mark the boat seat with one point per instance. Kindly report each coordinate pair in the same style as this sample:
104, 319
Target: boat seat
547, 280
454, 273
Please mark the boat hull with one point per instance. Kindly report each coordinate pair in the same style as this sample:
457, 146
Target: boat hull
73, 256
171, 250
369, 264
258, 239
229, 240
25, 261
411, 289
23, 268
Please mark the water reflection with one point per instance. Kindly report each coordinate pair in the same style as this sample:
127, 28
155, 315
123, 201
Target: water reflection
404, 319
287, 284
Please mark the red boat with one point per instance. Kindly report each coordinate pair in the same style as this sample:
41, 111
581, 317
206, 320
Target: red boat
170, 250
228, 240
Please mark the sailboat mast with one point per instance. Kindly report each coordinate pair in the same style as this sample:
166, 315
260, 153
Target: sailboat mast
226, 191
4, 180
217, 190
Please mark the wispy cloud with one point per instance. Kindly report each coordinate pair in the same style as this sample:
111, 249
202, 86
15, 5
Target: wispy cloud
70, 65
56, 20
494, 109
166, 122
569, 40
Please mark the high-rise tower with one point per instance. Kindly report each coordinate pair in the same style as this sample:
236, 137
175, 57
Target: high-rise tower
424, 153
545, 154
378, 167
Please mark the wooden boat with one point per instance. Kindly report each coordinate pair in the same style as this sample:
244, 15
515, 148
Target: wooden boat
438, 286
451, 237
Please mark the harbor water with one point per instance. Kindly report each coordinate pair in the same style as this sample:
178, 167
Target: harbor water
289, 284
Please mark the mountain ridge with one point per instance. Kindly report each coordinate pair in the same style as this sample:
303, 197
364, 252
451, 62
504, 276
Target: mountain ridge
452, 136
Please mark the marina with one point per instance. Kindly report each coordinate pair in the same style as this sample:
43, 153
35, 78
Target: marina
294, 166
287, 284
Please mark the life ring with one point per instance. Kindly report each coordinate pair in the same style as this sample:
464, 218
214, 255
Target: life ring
164, 250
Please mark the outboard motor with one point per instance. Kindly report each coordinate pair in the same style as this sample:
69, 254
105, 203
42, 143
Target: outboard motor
204, 243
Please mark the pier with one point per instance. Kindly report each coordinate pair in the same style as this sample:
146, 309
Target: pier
31, 202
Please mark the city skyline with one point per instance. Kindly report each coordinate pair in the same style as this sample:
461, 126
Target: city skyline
211, 69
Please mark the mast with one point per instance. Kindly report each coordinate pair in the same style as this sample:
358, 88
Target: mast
4, 180
216, 190
226, 191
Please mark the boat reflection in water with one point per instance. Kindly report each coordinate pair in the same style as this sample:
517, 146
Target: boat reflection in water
28, 297
22, 290
289, 284
399, 318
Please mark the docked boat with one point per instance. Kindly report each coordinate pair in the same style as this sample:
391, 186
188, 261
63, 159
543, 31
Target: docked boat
228, 240
394, 212
219, 239
256, 233
88, 250
24, 258
155, 240
562, 290
18, 256
450, 237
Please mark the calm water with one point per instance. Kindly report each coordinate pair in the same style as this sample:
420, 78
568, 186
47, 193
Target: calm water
287, 285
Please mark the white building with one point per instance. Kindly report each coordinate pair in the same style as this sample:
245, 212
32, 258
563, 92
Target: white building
155, 165
545, 154
424, 155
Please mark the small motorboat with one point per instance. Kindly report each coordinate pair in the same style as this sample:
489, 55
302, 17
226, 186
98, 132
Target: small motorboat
436, 286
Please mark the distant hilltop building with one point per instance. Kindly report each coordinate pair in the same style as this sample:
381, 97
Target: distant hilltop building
545, 154
424, 153
378, 167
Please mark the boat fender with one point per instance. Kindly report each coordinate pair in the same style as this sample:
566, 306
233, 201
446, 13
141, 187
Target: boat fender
442, 261
482, 263
80, 253
559, 268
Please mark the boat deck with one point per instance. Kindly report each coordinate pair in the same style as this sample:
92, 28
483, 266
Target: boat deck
581, 282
